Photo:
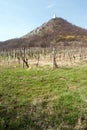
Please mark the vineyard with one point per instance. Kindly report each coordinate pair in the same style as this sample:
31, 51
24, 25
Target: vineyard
34, 57
41, 98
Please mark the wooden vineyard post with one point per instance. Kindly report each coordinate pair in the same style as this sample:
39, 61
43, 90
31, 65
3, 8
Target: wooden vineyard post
54, 64
9, 59
38, 59
19, 56
23, 56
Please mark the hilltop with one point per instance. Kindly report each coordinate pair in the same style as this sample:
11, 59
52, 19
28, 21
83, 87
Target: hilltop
56, 31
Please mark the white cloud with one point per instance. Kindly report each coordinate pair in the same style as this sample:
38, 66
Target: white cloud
51, 5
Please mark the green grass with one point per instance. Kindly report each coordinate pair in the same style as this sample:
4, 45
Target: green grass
42, 99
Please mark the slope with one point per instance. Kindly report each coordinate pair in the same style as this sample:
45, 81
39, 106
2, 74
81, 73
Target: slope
56, 31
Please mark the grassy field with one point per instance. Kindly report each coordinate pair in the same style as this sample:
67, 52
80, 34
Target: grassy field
43, 99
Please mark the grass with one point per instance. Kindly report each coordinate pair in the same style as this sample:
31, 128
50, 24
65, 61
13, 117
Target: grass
43, 99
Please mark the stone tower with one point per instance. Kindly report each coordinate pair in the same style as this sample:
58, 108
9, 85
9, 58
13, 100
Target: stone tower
54, 16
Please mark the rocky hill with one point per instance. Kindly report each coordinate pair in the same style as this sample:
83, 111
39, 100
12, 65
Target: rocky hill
56, 31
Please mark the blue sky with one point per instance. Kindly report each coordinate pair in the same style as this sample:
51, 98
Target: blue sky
18, 17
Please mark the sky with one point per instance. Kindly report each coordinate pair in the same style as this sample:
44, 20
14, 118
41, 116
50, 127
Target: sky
19, 17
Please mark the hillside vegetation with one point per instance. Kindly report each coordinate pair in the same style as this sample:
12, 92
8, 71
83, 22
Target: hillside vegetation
43, 99
48, 34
